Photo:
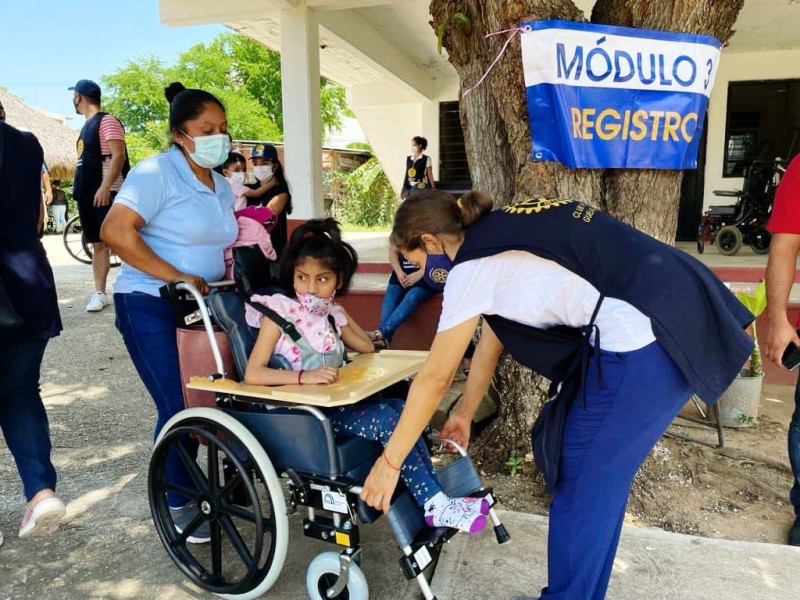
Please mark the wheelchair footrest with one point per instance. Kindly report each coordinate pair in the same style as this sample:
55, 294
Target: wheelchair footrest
322, 528
420, 559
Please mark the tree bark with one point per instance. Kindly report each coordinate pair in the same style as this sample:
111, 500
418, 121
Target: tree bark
494, 118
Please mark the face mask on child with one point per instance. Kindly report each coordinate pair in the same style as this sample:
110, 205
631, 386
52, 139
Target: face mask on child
263, 172
316, 305
237, 176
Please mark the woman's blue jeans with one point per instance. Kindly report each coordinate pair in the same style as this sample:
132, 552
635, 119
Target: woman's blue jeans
399, 303
148, 328
22, 415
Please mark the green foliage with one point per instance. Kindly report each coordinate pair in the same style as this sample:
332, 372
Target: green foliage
514, 464
359, 146
365, 198
746, 419
242, 73
458, 18
756, 303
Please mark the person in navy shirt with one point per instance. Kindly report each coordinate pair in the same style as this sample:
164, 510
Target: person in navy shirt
171, 221
30, 291
620, 320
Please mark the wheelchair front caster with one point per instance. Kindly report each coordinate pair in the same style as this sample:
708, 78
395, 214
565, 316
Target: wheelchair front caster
501, 534
323, 575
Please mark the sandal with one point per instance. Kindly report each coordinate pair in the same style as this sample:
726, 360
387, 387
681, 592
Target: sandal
43, 519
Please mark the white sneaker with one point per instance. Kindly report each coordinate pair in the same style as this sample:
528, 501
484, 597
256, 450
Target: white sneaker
97, 302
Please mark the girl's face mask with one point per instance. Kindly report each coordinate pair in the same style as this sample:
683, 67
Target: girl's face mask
237, 176
264, 172
316, 305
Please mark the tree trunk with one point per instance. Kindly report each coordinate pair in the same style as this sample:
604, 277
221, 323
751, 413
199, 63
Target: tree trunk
494, 118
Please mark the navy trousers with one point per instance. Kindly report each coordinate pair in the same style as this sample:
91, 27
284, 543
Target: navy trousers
631, 398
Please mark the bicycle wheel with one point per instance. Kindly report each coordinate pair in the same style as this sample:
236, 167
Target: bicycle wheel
79, 248
75, 243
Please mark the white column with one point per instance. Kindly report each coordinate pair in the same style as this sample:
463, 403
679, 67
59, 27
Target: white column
302, 128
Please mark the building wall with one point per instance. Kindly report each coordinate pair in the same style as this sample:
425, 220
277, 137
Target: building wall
745, 66
391, 116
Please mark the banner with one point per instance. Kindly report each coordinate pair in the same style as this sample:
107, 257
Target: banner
601, 96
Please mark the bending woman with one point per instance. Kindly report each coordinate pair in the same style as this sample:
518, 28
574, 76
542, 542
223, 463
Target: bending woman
619, 319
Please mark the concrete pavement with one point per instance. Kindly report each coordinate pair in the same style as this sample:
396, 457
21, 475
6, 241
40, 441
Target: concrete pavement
101, 420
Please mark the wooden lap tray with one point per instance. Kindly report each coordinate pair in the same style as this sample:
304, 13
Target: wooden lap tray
366, 375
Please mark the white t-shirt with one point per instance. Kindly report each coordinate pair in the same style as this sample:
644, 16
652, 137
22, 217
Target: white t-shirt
528, 289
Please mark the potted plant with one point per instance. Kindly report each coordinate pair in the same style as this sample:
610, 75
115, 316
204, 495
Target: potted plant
738, 405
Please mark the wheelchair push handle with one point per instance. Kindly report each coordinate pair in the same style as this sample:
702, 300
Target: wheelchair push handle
175, 292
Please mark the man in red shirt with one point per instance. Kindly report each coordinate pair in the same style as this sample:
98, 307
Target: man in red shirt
781, 267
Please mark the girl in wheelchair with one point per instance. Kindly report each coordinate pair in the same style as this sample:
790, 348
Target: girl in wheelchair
318, 266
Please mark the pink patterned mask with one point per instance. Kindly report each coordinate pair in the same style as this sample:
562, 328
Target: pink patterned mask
316, 305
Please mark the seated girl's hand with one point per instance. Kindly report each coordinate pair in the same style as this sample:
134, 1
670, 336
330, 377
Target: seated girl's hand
323, 375
413, 278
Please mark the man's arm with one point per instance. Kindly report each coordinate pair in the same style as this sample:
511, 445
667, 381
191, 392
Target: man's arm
781, 268
48, 190
103, 195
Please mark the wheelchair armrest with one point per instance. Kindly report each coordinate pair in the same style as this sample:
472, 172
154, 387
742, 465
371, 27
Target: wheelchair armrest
729, 193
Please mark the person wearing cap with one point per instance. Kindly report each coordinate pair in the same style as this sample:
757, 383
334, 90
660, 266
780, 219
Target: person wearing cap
267, 168
102, 166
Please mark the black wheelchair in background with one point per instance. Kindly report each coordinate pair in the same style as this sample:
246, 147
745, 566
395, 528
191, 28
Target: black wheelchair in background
730, 227
248, 453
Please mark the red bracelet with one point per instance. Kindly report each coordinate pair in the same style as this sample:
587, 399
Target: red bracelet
300, 377
386, 458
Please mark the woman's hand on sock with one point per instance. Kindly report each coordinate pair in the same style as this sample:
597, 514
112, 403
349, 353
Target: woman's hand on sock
323, 375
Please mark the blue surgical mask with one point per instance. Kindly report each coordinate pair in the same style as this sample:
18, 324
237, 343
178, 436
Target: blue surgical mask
437, 266
210, 150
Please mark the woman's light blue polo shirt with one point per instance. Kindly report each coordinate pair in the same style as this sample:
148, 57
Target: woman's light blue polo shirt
186, 223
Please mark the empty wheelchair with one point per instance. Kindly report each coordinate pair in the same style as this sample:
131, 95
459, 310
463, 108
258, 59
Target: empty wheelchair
730, 227
255, 466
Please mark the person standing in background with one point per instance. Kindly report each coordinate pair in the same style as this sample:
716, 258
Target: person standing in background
102, 166
419, 169
268, 169
784, 224
28, 292
59, 207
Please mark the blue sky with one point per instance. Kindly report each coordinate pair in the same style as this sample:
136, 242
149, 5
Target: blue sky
47, 45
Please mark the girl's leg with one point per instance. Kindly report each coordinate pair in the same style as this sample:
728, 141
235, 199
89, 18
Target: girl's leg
376, 422
147, 325
412, 298
629, 403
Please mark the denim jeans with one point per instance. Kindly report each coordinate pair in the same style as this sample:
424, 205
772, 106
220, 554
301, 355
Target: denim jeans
377, 421
794, 451
147, 325
399, 303
22, 415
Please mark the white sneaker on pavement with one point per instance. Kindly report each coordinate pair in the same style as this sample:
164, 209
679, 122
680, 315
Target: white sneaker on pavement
97, 302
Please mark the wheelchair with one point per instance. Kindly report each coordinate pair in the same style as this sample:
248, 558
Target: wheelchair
730, 227
256, 466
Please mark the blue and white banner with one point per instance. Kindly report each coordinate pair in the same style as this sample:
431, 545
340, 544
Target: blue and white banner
613, 97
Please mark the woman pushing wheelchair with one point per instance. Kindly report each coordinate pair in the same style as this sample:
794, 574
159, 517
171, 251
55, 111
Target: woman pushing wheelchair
615, 319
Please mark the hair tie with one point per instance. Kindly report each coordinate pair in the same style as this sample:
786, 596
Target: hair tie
458, 203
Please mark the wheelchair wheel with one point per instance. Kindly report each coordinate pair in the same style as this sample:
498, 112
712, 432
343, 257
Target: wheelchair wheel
761, 241
243, 504
75, 243
729, 240
322, 574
